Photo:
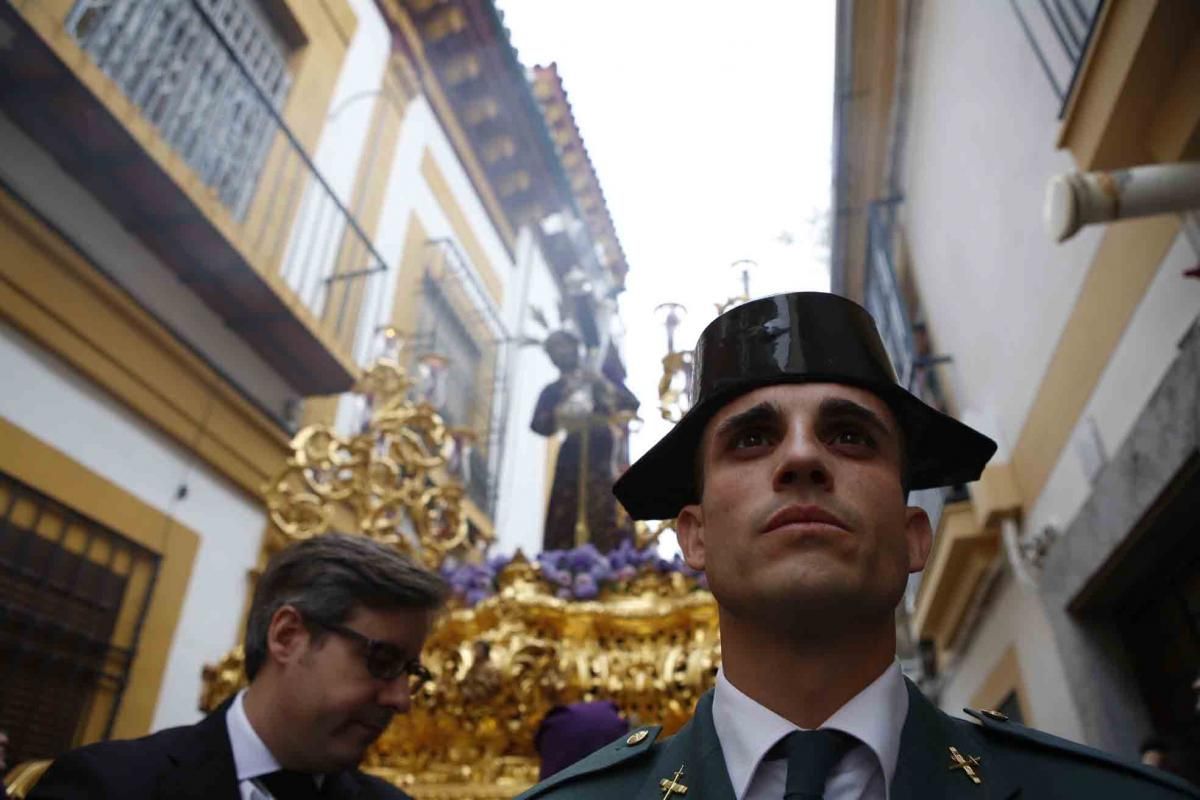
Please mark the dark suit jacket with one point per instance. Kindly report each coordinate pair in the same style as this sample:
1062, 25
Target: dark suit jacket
193, 761
1014, 762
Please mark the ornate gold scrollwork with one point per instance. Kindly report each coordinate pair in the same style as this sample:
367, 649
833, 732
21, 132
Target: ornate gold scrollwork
672, 386
387, 482
650, 645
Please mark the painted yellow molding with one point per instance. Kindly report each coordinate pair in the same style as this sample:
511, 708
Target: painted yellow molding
405, 306
1005, 679
866, 125
58, 299
1174, 133
995, 495
370, 189
315, 69
462, 228
54, 474
1126, 261
962, 553
444, 111
342, 16
1132, 62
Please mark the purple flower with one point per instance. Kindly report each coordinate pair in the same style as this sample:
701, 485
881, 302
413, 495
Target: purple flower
582, 558
585, 586
626, 572
559, 577
551, 558
476, 596
601, 571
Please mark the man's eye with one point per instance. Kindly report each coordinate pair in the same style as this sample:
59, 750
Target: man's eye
853, 437
748, 439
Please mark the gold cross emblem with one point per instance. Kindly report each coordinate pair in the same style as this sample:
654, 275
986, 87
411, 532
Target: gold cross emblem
672, 785
968, 764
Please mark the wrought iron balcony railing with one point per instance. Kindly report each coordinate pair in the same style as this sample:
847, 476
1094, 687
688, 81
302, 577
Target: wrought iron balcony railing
460, 317
886, 303
169, 60
1059, 32
882, 293
212, 77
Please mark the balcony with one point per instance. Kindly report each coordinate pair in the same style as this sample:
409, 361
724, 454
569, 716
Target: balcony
883, 298
459, 320
169, 113
1058, 32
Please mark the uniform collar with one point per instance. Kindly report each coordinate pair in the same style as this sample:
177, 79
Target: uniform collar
251, 758
747, 729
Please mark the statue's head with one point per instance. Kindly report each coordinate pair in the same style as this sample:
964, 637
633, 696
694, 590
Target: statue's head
563, 349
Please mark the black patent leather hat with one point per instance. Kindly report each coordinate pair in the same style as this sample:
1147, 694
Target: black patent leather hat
802, 337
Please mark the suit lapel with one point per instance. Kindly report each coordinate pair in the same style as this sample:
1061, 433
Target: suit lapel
343, 786
924, 770
202, 762
697, 751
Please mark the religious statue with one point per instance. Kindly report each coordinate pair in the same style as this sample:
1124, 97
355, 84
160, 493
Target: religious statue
594, 412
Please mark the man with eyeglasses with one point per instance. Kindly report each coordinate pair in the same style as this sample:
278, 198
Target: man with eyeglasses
332, 648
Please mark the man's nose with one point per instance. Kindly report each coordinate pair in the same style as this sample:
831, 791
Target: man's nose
396, 695
802, 462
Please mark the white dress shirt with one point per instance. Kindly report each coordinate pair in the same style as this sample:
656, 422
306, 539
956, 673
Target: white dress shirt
251, 758
875, 716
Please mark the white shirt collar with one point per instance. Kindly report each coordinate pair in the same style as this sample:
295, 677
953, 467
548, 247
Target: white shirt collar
251, 758
747, 729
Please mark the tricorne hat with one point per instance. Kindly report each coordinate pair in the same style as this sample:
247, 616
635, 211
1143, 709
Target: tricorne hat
801, 337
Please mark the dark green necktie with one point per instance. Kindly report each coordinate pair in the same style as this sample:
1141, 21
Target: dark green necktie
811, 756
288, 785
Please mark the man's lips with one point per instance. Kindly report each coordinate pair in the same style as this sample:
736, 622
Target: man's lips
802, 515
375, 726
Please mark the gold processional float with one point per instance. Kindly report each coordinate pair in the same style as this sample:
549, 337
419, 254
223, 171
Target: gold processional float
518, 642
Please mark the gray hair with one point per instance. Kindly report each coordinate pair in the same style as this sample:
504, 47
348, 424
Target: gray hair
327, 576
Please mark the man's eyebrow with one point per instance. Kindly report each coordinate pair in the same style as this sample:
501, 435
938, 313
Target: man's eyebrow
762, 413
840, 407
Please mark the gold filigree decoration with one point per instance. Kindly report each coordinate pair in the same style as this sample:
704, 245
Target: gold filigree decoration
387, 482
651, 645
672, 386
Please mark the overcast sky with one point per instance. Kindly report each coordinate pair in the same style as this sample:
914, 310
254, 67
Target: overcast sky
709, 126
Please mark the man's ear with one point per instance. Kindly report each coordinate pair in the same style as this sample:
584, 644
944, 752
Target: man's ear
919, 536
689, 529
287, 636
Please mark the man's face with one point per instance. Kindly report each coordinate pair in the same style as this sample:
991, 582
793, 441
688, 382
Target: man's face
803, 520
563, 352
339, 708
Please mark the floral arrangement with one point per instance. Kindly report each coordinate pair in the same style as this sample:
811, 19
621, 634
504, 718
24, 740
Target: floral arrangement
580, 573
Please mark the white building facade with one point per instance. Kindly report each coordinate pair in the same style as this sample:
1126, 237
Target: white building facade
1058, 584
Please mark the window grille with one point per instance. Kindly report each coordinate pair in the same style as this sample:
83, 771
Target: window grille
882, 296
442, 331
1059, 32
165, 56
73, 595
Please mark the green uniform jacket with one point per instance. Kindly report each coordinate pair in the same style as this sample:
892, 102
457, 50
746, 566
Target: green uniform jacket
1013, 762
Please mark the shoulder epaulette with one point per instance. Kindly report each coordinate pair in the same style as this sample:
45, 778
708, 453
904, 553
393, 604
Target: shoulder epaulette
627, 747
999, 724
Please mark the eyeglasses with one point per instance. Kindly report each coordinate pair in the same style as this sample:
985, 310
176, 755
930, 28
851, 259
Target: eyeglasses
385, 660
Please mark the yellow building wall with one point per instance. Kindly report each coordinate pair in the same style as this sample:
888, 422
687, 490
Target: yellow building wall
56, 475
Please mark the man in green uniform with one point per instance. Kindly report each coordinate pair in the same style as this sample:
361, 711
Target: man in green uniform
789, 478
